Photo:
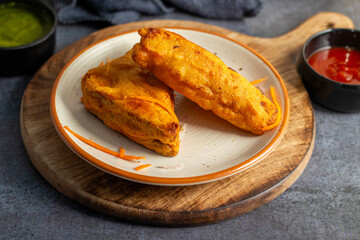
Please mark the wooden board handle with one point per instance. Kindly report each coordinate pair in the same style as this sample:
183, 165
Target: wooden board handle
294, 39
316, 23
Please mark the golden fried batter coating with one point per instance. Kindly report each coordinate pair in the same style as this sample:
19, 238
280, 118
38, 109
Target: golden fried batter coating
203, 78
133, 102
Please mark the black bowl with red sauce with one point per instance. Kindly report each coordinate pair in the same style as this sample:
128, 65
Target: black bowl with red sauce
329, 67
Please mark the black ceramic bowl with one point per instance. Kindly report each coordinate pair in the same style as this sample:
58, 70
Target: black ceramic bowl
324, 91
29, 57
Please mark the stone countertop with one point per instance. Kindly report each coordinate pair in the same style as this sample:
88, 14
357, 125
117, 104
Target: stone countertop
324, 203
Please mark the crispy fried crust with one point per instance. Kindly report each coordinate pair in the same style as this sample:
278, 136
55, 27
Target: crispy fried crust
110, 92
204, 78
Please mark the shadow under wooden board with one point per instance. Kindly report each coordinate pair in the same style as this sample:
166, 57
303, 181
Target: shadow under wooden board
184, 205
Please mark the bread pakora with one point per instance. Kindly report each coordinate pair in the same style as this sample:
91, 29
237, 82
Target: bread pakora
204, 78
133, 102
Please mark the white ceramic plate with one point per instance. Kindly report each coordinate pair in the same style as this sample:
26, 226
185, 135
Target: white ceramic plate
210, 148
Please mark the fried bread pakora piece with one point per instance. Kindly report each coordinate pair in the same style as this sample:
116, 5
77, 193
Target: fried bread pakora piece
204, 78
133, 102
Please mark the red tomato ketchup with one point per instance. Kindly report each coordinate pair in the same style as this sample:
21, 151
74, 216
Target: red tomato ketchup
341, 64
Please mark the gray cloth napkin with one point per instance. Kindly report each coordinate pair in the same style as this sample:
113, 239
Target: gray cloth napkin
122, 11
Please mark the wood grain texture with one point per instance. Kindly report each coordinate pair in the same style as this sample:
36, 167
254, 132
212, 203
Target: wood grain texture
188, 205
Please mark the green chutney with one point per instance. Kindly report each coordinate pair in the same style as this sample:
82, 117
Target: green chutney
18, 26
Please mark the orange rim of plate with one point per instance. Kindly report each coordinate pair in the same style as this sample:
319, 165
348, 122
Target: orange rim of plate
166, 180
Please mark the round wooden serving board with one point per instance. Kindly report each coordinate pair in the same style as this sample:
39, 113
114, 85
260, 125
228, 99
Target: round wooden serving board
185, 205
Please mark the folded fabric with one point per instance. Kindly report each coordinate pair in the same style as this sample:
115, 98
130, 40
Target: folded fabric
122, 11
220, 9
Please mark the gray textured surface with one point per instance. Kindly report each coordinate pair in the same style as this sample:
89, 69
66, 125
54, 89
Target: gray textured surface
324, 203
